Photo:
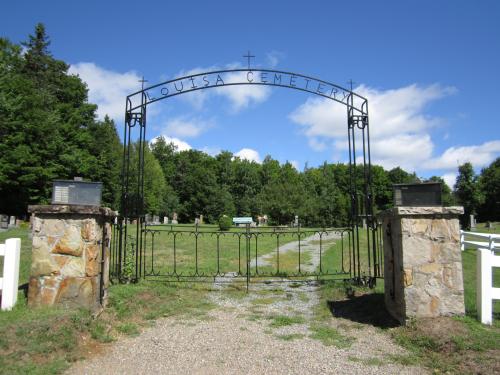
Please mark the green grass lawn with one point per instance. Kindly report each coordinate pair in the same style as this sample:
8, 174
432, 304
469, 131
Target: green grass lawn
46, 341
446, 345
208, 251
25, 262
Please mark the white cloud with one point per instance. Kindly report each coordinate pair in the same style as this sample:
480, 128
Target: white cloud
107, 88
273, 58
181, 145
294, 164
450, 179
408, 151
212, 151
240, 96
478, 155
398, 126
187, 127
316, 144
248, 154
399, 129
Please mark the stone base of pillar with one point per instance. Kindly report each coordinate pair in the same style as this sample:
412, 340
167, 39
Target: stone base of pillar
70, 255
423, 262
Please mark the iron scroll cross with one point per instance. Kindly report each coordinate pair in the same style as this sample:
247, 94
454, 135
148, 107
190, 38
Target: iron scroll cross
248, 56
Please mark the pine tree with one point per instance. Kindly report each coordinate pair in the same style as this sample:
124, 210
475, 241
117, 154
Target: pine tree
467, 192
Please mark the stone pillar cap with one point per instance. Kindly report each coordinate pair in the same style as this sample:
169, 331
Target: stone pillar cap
71, 209
422, 211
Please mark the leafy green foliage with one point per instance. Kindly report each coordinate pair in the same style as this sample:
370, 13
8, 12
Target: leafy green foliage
490, 186
467, 192
47, 128
225, 223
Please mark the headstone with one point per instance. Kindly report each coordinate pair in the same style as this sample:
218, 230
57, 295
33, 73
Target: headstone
262, 220
12, 222
364, 223
174, 218
296, 222
201, 219
156, 220
165, 219
472, 221
196, 221
32, 216
4, 222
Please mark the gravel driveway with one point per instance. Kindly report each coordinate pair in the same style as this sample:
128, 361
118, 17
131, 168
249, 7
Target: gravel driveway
238, 337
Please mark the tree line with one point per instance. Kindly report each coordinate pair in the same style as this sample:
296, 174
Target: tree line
49, 130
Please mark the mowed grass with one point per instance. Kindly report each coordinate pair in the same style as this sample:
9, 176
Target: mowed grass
445, 345
338, 257
209, 252
47, 341
25, 262
285, 264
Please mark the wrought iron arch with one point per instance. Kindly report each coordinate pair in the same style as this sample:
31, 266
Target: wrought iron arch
132, 197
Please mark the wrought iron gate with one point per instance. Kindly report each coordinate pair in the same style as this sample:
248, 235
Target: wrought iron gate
131, 254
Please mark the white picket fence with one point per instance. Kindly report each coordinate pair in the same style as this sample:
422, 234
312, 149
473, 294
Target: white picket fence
486, 260
11, 251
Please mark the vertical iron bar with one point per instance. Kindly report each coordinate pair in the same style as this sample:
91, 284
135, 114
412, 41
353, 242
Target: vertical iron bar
278, 253
366, 200
320, 252
175, 254
196, 252
248, 254
342, 249
218, 254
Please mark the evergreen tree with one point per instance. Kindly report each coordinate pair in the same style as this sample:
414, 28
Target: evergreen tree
467, 192
490, 187
48, 128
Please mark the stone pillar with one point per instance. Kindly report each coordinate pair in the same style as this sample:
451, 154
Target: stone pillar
423, 262
68, 267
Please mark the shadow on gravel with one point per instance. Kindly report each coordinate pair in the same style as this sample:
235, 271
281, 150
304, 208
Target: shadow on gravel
366, 309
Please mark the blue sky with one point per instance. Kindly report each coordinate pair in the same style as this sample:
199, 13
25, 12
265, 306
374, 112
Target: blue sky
429, 69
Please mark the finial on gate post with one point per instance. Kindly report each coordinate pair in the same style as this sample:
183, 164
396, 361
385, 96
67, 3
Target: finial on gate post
351, 83
248, 56
142, 82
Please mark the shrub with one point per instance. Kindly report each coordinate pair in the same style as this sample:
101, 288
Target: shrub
225, 222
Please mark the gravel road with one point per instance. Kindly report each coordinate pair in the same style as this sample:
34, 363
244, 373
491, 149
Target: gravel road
237, 337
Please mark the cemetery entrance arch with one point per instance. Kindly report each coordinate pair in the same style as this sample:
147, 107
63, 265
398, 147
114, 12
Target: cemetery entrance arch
129, 255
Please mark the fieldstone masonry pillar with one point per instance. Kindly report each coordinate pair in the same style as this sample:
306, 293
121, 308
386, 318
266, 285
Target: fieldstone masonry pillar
68, 267
423, 262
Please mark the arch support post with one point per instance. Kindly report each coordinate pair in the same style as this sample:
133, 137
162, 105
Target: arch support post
366, 265
128, 264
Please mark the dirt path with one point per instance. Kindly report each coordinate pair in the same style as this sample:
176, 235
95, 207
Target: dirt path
309, 245
272, 330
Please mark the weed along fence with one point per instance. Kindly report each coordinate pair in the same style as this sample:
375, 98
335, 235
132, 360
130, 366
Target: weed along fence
244, 253
486, 260
9, 281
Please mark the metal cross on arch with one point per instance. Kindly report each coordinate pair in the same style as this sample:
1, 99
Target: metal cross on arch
358, 137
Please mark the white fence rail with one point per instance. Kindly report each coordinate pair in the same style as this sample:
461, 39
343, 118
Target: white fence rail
487, 240
486, 260
9, 281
